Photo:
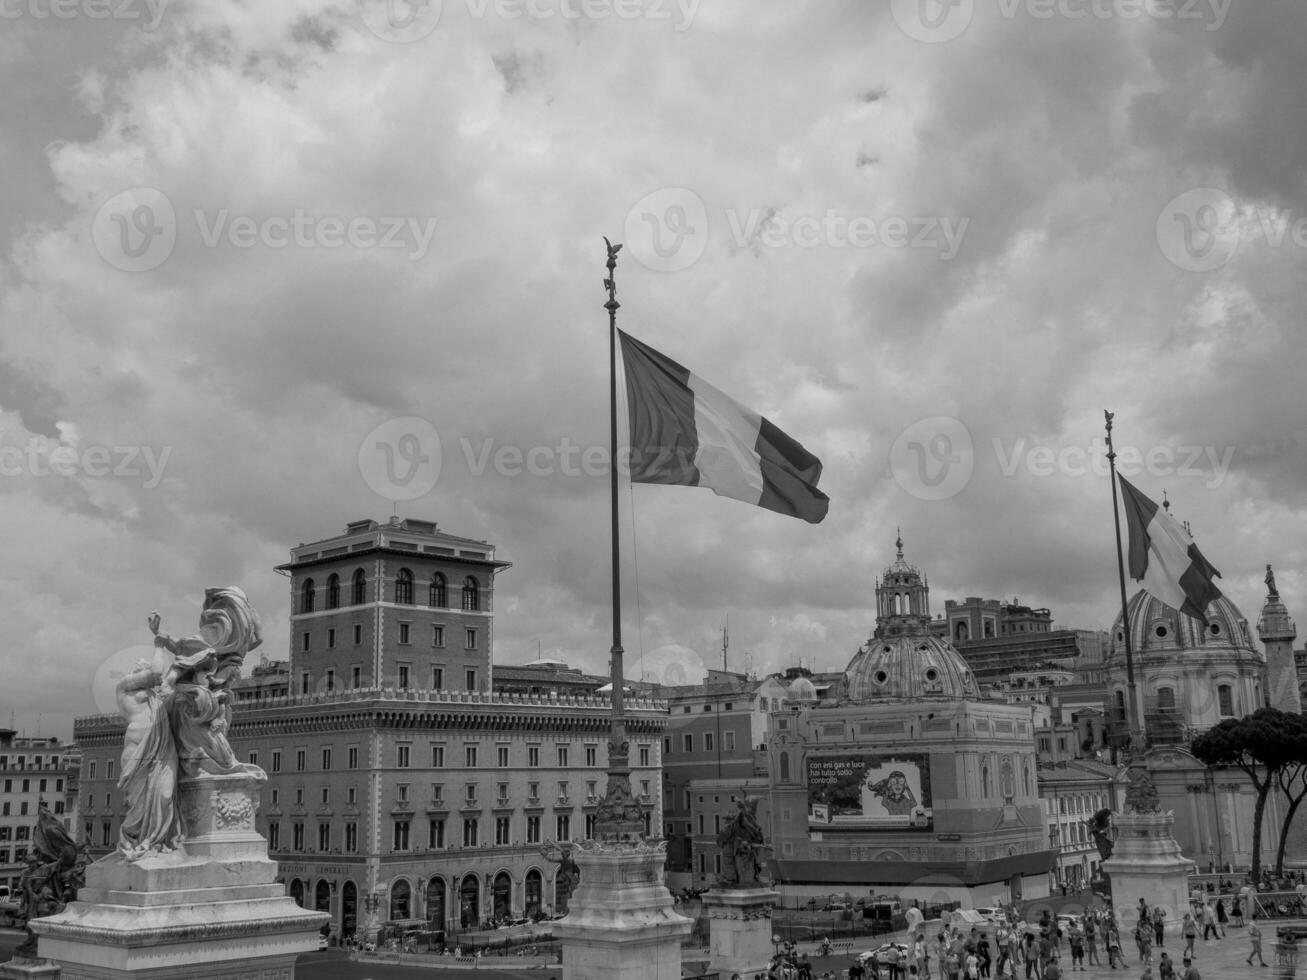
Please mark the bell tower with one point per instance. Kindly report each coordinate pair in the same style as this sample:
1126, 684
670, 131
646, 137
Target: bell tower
902, 599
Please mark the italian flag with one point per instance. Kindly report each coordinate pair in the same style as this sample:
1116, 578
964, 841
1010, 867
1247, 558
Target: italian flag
685, 432
1164, 559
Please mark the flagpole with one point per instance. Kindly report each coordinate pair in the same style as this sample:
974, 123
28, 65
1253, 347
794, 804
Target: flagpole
619, 817
1132, 714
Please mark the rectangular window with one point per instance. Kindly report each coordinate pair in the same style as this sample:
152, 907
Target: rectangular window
326, 758
356, 677
351, 838
437, 636
358, 633
501, 756
399, 841
41, 786
471, 794
90, 774
276, 796
1225, 696
352, 795
106, 831
562, 756
331, 679
471, 680
304, 682
533, 791
667, 745
352, 757
331, 638
276, 760
402, 790
470, 832
471, 756
501, 831
324, 838
300, 755
437, 757
297, 835
564, 827
471, 639
436, 834
591, 756
533, 830
644, 755
728, 741
299, 796
437, 678
252, 758
304, 642
533, 756
403, 677
707, 741
274, 836
689, 742
404, 633
401, 756
326, 795
562, 791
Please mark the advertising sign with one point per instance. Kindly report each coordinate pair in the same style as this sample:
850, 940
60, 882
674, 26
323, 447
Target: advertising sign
871, 792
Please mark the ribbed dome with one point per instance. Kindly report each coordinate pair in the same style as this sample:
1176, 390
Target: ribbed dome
909, 667
1156, 627
802, 689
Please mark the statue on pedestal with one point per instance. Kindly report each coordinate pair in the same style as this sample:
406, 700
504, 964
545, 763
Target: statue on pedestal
178, 713
1100, 829
740, 841
1140, 793
568, 875
56, 868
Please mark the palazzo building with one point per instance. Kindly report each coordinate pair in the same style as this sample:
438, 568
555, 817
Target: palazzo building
904, 779
401, 788
32, 771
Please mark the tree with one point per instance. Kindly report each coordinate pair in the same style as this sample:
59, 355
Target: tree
1293, 781
1262, 745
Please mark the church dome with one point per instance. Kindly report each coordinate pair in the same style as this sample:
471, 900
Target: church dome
920, 666
1156, 627
802, 689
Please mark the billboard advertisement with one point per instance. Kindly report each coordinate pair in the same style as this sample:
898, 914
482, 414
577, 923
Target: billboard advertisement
870, 792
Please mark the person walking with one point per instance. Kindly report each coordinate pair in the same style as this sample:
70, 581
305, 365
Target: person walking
1077, 941
1112, 940
1255, 937
1236, 911
1159, 926
1189, 929
1222, 920
1165, 968
1091, 939
1209, 923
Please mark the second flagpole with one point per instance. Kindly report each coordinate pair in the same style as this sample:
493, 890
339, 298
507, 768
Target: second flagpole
1133, 720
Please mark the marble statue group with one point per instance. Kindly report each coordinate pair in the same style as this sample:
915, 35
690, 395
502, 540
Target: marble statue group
178, 711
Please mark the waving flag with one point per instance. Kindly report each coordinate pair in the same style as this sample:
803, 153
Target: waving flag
1164, 558
685, 432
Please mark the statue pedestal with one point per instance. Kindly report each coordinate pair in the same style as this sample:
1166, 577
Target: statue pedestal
213, 909
620, 924
1146, 863
741, 932
22, 968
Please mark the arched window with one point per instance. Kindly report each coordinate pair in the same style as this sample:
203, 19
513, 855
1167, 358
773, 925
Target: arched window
333, 591
984, 781
306, 596
400, 894
502, 895
534, 889
436, 902
438, 596
471, 594
785, 767
359, 591
1225, 700
322, 896
404, 588
1025, 778
469, 902
297, 892
1165, 699
349, 909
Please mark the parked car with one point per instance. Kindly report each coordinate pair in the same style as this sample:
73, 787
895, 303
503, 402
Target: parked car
322, 942
881, 951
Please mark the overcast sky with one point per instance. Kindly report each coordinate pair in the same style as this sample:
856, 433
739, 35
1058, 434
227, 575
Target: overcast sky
250, 249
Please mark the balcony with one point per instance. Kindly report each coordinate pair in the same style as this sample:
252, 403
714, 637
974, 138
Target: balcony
564, 801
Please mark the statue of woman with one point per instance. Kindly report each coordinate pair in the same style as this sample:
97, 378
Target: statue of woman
149, 766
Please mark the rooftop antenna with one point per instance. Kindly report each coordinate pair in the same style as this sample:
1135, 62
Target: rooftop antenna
726, 641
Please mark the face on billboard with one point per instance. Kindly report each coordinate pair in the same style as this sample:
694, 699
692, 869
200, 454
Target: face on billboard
870, 791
